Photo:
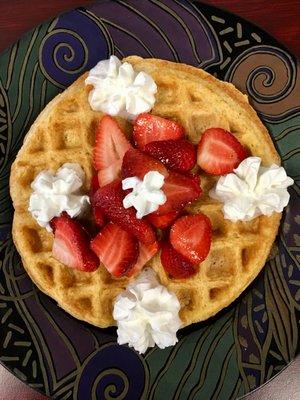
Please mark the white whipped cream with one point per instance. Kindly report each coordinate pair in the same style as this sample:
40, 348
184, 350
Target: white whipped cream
119, 90
146, 195
147, 314
252, 190
55, 193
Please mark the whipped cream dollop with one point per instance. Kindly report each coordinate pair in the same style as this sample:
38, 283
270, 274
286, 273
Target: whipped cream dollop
252, 190
54, 193
119, 90
147, 314
146, 195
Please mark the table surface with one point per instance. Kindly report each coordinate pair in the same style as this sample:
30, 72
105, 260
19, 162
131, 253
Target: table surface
278, 17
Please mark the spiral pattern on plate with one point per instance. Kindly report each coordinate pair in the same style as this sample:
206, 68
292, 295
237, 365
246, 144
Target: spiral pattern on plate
106, 375
266, 73
73, 51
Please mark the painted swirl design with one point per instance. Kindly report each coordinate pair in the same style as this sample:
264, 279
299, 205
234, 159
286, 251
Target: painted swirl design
266, 73
72, 51
118, 388
106, 375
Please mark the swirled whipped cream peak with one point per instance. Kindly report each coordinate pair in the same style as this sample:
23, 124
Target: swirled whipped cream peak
119, 90
54, 193
146, 195
252, 190
147, 314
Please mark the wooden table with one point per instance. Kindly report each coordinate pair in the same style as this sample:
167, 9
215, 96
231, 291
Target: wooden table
278, 17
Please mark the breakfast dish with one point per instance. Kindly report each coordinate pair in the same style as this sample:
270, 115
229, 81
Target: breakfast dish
187, 181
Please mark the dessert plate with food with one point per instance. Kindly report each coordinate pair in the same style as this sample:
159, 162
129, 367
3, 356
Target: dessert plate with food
152, 249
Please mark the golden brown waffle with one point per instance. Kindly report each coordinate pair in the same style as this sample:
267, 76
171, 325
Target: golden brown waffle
64, 132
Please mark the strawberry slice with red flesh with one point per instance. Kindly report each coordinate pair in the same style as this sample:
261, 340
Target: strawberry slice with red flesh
71, 244
219, 152
162, 221
110, 146
180, 191
178, 155
116, 249
110, 199
98, 215
137, 163
109, 174
195, 177
191, 237
148, 128
175, 264
146, 252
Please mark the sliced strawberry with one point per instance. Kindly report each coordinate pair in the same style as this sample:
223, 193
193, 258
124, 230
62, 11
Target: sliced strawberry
98, 215
176, 265
191, 236
180, 191
219, 152
71, 244
110, 173
146, 252
116, 249
195, 177
148, 128
110, 199
137, 163
178, 155
162, 221
110, 147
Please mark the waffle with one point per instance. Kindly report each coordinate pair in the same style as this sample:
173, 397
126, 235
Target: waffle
64, 132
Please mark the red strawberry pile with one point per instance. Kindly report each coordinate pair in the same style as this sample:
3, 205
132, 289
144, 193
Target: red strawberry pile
124, 243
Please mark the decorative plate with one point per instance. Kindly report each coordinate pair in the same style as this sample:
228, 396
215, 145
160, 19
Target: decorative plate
243, 346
